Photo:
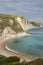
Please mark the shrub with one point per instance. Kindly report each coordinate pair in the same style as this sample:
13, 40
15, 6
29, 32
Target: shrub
12, 59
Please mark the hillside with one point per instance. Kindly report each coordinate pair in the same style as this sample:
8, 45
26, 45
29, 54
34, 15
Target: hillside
15, 24
16, 61
9, 21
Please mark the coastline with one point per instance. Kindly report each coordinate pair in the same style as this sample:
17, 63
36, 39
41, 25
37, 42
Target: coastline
7, 52
23, 56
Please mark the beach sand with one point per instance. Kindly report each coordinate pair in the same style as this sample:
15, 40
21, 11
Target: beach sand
7, 52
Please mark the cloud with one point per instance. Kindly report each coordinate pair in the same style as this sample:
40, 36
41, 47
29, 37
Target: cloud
31, 9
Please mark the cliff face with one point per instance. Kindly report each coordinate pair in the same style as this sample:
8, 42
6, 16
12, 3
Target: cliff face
26, 24
23, 22
11, 23
8, 23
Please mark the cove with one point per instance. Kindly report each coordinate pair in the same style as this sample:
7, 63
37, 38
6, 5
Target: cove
32, 45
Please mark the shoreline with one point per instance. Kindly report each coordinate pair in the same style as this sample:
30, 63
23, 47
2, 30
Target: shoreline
6, 52
26, 57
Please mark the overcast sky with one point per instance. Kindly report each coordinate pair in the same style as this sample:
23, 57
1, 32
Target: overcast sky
30, 9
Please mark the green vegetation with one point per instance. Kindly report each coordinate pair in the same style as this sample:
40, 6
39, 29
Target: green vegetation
36, 24
2, 57
4, 22
9, 60
36, 62
12, 59
16, 26
16, 61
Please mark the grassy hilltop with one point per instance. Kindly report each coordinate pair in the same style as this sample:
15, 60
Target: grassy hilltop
15, 23
5, 22
16, 61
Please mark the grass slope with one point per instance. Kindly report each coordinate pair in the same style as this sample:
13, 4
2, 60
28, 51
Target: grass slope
16, 61
4, 22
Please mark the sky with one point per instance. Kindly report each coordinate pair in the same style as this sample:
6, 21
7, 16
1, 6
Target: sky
31, 9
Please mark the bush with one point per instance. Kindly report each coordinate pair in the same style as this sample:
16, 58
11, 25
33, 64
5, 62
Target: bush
36, 62
16, 61
12, 59
2, 57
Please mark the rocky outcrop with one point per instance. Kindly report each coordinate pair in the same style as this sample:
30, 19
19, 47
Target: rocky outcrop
23, 23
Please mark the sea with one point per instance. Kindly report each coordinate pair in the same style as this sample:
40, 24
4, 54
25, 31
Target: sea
31, 45
32, 10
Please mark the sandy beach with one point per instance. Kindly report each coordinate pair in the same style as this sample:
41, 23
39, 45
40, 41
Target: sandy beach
4, 50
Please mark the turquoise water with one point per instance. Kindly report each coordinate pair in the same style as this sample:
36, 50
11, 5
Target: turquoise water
32, 45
